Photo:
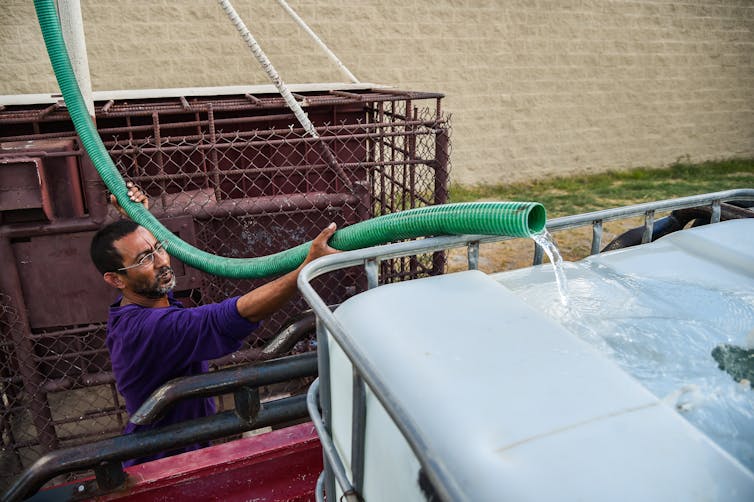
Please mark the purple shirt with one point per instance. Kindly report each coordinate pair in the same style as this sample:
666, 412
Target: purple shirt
149, 346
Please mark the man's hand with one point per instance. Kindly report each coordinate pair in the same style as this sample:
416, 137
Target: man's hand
319, 244
135, 194
268, 298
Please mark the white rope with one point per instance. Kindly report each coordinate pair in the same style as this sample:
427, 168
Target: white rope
319, 42
268, 68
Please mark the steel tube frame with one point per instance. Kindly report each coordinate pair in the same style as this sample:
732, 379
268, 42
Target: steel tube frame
221, 382
436, 470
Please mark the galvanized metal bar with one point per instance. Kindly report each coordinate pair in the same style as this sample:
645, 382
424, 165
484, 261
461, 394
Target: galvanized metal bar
332, 459
596, 237
472, 254
319, 488
649, 223
358, 431
371, 268
323, 370
539, 254
657, 206
715, 217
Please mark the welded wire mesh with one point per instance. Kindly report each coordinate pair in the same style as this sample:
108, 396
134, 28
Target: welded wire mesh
234, 177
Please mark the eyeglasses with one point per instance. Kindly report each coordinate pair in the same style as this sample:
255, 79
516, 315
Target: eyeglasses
148, 259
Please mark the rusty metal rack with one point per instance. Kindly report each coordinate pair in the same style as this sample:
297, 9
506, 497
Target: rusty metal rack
231, 174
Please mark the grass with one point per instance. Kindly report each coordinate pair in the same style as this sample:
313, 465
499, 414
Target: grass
578, 194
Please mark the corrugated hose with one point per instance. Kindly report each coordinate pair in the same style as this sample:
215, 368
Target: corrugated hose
515, 219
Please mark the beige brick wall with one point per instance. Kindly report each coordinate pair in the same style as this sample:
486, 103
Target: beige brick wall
535, 88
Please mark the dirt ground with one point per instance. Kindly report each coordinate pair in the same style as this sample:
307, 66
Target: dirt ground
573, 244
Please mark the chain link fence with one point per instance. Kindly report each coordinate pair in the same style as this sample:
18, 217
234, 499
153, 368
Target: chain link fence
233, 176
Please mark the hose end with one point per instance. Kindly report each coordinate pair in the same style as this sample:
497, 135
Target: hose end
536, 218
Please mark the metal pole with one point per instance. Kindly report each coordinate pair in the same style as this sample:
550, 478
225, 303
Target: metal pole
73, 33
72, 27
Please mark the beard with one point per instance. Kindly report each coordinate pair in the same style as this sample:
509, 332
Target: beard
163, 283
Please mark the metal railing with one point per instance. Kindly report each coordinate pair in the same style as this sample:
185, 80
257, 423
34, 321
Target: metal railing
364, 372
105, 456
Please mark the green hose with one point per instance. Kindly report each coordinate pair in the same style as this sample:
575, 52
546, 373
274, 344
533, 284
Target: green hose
515, 219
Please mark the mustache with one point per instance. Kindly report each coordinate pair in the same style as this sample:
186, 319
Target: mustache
164, 271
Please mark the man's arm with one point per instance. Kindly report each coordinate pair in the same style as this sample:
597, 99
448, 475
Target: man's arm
265, 300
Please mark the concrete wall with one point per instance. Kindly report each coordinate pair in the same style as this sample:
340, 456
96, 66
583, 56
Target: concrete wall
535, 87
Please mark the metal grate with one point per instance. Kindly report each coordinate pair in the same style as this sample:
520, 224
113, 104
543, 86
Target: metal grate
232, 175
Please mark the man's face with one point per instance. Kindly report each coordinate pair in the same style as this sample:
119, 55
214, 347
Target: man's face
152, 278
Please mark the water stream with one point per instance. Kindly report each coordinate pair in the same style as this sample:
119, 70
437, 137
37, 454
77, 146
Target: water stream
547, 243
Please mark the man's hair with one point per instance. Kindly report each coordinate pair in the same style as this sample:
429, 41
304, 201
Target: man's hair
104, 255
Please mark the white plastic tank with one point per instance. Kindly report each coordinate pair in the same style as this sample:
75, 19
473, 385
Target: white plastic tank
513, 404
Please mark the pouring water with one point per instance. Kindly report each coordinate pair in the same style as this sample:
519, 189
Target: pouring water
547, 243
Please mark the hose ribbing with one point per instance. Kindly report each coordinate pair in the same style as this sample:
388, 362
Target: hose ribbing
518, 219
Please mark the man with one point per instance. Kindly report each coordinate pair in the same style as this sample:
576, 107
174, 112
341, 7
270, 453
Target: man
152, 338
